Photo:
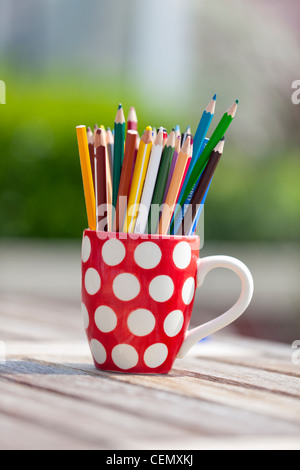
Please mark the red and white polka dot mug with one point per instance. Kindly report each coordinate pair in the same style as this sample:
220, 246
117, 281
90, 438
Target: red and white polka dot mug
137, 298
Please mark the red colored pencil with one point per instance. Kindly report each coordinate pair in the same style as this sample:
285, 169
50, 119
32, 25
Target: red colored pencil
100, 180
132, 123
125, 180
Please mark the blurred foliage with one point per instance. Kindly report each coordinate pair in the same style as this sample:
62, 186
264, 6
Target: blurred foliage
41, 193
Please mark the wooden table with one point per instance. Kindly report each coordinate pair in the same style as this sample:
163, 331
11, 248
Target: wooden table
230, 392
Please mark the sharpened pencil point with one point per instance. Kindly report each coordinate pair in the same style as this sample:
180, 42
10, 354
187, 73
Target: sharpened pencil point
220, 146
237, 101
120, 106
214, 97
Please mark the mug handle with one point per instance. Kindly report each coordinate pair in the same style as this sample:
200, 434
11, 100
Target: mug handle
203, 267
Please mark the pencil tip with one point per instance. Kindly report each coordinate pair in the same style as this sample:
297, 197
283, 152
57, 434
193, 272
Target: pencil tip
220, 146
214, 97
237, 101
120, 106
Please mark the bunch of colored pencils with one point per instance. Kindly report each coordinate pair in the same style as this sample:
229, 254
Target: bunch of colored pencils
154, 184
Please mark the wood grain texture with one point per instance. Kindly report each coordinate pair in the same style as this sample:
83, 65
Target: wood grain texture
230, 392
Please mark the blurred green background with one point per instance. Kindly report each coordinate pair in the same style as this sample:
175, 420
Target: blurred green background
64, 64
68, 62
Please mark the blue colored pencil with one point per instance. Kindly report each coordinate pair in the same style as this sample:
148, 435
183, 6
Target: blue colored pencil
203, 127
193, 229
199, 137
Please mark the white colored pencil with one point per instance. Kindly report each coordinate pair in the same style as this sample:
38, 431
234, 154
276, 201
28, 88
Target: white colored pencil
149, 185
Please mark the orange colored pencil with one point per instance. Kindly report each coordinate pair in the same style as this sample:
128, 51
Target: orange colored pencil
187, 166
90, 138
125, 179
175, 184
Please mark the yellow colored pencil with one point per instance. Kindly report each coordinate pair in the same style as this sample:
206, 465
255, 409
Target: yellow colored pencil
87, 177
139, 175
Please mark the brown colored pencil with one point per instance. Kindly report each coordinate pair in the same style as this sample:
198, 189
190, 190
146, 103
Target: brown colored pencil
100, 180
125, 179
197, 198
174, 188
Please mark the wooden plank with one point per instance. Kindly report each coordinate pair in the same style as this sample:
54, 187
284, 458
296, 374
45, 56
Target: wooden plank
210, 386
245, 375
220, 389
26, 317
56, 398
19, 434
53, 402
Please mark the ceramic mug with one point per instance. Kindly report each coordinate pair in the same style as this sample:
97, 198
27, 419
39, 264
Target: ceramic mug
137, 298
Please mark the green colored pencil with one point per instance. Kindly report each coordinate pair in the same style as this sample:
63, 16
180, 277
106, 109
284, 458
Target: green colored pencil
119, 139
213, 141
161, 182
